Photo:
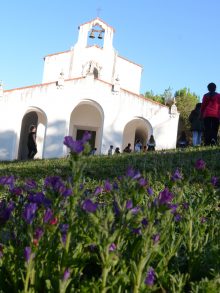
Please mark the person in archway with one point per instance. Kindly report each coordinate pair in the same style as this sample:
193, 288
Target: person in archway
151, 143
138, 146
32, 144
210, 112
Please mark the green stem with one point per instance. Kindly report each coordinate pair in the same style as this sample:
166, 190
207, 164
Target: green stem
104, 279
27, 277
140, 268
68, 241
190, 235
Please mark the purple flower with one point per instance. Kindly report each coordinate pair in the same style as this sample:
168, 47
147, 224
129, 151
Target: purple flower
5, 211
203, 220
142, 181
98, 190
214, 181
132, 173
66, 274
150, 191
30, 184
75, 146
135, 210
89, 206
55, 183
156, 238
165, 196
200, 164
176, 175
92, 247
1, 250
16, 191
137, 231
185, 205
63, 230
150, 278
47, 215
115, 185
67, 192
129, 204
116, 208
173, 207
36, 198
177, 217
144, 222
38, 233
27, 253
86, 137
112, 247
29, 212
7, 180
107, 186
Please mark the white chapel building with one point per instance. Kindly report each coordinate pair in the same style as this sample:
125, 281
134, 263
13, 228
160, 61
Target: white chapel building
89, 87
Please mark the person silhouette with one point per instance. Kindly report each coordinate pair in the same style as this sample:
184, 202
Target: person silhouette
196, 125
110, 150
210, 112
182, 141
151, 143
127, 149
32, 144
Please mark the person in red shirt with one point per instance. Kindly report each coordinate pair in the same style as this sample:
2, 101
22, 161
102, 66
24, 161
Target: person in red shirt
210, 112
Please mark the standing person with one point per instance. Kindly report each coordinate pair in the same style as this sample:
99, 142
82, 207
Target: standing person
182, 141
151, 143
110, 150
31, 144
138, 146
210, 112
196, 125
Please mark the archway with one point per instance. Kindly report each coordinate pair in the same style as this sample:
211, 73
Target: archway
87, 116
138, 128
32, 117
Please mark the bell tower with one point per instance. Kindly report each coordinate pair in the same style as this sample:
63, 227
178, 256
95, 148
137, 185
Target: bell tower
95, 32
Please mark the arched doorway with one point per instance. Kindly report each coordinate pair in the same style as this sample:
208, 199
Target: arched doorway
32, 117
138, 128
87, 116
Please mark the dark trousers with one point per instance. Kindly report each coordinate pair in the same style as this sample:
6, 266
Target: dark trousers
31, 153
211, 125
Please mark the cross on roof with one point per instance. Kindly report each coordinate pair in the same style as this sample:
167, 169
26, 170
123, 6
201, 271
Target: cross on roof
98, 11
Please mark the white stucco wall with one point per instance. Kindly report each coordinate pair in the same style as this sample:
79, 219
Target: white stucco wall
118, 110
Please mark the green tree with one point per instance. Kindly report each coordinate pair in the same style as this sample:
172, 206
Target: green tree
168, 96
157, 98
185, 102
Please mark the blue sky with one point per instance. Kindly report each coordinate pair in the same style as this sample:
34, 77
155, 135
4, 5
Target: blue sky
176, 41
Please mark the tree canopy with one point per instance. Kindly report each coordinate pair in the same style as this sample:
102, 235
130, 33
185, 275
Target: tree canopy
185, 102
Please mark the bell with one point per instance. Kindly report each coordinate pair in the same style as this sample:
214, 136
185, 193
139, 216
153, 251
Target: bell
100, 36
92, 36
